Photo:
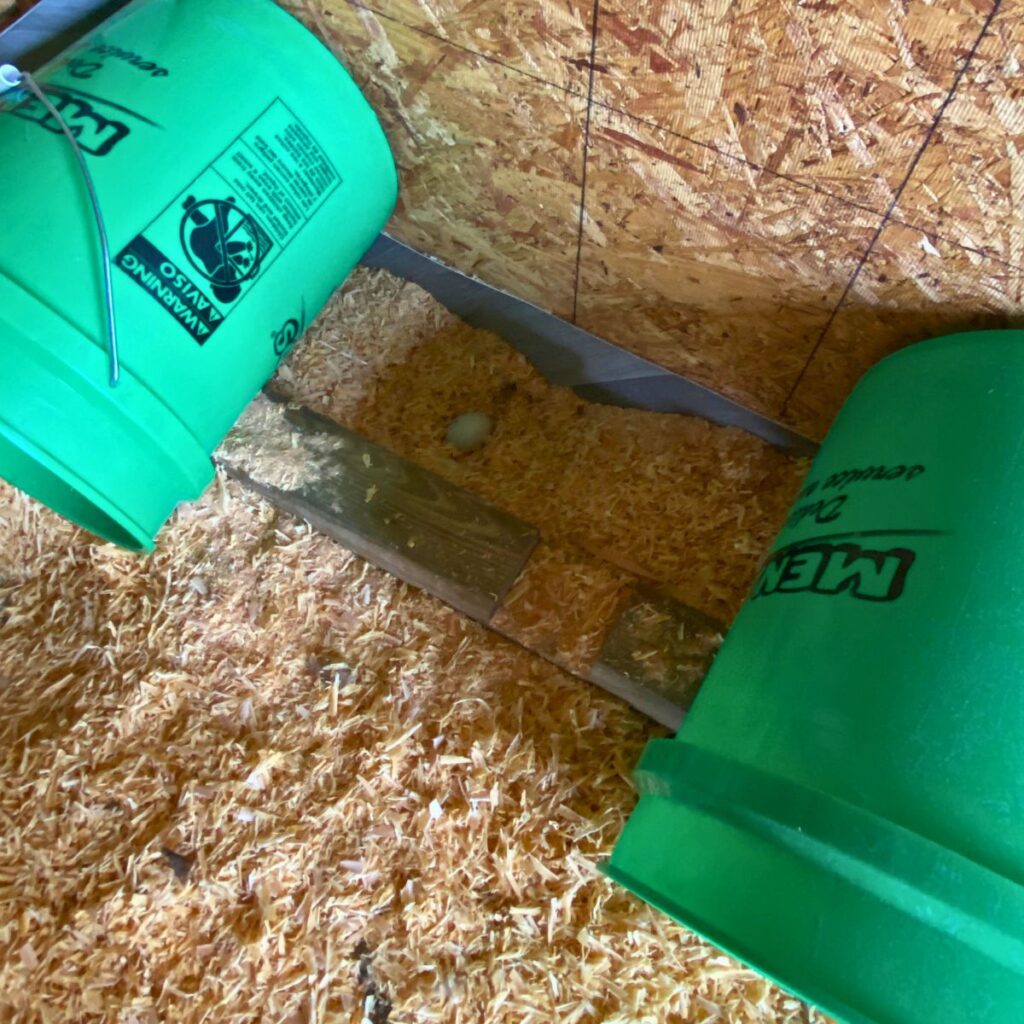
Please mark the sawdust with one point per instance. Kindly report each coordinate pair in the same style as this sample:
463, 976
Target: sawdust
673, 498
268, 445
562, 605
251, 777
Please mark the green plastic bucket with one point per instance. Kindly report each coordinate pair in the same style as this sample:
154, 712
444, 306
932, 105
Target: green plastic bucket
241, 175
843, 808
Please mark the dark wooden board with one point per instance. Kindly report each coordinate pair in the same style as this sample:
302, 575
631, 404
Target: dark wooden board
454, 545
657, 655
402, 518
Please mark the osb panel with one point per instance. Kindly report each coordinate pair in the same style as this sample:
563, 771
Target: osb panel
839, 93
912, 287
694, 263
490, 160
549, 39
969, 184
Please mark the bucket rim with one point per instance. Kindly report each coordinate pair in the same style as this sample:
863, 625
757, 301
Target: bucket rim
99, 516
925, 346
879, 877
114, 460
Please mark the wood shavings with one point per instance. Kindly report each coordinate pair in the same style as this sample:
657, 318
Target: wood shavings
672, 498
137, 708
282, 462
563, 605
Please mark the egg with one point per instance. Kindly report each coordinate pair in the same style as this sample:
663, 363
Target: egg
470, 431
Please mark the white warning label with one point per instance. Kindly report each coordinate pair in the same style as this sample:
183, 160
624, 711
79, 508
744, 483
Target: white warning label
209, 245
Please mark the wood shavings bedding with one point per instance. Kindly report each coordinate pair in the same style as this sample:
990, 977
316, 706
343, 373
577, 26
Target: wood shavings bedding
383, 811
670, 497
562, 605
251, 777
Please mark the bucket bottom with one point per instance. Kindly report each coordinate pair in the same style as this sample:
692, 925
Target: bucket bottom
867, 920
114, 460
55, 489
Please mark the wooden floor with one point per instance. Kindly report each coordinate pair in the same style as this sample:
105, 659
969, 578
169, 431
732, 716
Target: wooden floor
251, 776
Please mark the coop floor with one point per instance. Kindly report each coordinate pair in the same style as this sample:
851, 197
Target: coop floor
251, 777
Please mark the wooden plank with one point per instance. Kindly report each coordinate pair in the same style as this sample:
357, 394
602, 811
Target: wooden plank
603, 623
400, 517
598, 621
657, 655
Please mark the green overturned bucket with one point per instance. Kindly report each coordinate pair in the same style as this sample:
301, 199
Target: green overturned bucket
241, 175
843, 808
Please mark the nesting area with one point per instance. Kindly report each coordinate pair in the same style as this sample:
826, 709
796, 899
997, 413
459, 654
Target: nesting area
250, 776
766, 198
674, 498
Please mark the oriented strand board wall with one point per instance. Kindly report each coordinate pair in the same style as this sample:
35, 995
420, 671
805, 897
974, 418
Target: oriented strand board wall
765, 196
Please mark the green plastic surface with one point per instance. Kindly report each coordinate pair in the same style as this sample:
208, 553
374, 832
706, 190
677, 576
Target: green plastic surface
241, 175
843, 808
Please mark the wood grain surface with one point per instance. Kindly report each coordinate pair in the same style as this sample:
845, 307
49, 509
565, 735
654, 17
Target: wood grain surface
659, 649
733, 189
490, 159
837, 94
734, 285
969, 184
913, 286
546, 39
385, 508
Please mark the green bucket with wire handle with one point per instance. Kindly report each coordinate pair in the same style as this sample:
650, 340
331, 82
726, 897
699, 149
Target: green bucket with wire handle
843, 808
241, 176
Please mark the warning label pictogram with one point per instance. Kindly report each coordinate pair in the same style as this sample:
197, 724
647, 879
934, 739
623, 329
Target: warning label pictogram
207, 248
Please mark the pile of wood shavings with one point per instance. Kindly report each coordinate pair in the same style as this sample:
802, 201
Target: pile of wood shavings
674, 498
562, 604
249, 777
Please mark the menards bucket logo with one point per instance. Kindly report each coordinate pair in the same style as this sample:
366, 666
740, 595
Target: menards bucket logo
820, 568
856, 563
